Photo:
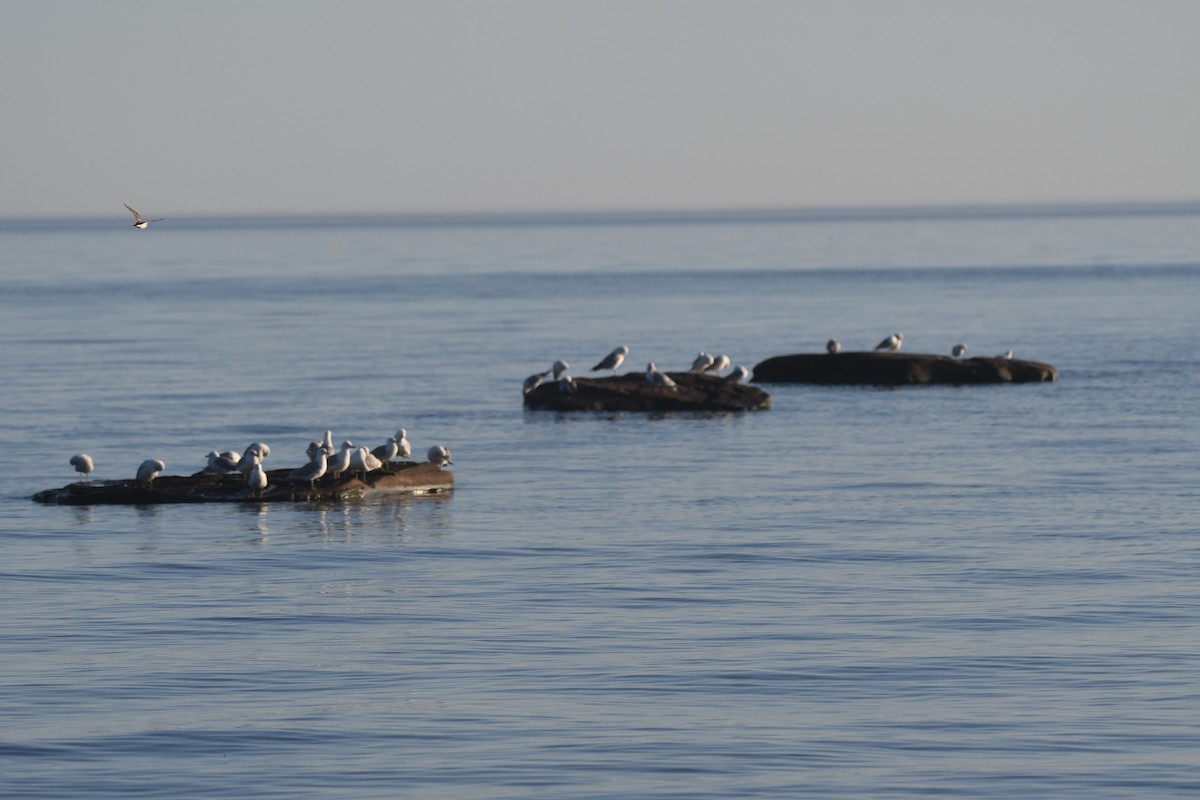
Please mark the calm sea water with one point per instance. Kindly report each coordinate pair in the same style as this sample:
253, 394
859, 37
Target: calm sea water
985, 592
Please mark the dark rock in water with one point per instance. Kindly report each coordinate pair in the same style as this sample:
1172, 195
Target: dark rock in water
632, 392
394, 478
899, 369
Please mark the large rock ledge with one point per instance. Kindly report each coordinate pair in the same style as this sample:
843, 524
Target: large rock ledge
399, 478
632, 392
898, 369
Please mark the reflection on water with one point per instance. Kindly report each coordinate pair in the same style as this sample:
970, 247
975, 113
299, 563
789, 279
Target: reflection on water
260, 519
342, 521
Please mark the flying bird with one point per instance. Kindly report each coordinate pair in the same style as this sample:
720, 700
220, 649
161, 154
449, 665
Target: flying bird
138, 222
892, 343
612, 360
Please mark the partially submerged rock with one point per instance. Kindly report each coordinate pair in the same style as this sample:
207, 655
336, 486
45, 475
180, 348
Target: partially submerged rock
899, 369
393, 478
632, 392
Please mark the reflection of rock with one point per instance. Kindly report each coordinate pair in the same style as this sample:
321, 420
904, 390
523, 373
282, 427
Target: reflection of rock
632, 392
898, 369
393, 478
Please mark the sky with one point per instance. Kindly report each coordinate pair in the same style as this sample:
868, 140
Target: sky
288, 106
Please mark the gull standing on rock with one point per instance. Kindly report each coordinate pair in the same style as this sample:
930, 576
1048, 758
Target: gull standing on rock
612, 360
82, 463
701, 363
439, 455
220, 463
959, 350
327, 443
833, 347
341, 460
534, 381
257, 478
388, 450
312, 470
1008, 354
719, 363
150, 469
255, 449
403, 446
739, 374
362, 460
656, 378
892, 343
138, 222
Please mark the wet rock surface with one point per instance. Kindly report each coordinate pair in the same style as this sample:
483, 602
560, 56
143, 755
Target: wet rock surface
899, 369
632, 392
394, 478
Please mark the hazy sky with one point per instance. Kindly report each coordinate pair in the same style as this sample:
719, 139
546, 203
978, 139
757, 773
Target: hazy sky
285, 106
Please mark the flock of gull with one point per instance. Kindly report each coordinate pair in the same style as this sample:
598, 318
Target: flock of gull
323, 459
893, 343
703, 363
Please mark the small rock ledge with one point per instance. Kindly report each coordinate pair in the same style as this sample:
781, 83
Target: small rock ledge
393, 478
632, 392
899, 369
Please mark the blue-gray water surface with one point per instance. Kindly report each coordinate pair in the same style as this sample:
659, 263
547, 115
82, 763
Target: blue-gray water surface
978, 592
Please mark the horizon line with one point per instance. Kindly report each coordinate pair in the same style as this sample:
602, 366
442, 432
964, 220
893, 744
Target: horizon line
664, 215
